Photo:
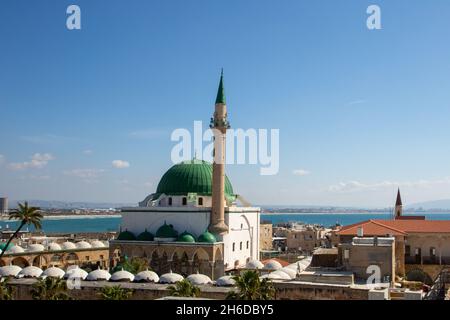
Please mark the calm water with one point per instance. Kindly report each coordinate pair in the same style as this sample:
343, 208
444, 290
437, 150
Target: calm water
112, 223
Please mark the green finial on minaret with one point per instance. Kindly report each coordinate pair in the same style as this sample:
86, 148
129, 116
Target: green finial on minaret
221, 91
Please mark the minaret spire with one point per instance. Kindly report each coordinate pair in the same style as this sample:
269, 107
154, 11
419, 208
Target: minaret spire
221, 91
219, 125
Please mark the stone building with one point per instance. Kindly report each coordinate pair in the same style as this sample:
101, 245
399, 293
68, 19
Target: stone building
265, 236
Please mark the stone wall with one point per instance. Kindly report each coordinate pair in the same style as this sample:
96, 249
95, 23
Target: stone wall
284, 291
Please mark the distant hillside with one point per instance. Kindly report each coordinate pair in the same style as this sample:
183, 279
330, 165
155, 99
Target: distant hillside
429, 205
70, 205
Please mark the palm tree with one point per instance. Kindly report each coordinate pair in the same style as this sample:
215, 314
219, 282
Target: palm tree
135, 265
115, 293
251, 287
27, 216
50, 289
184, 288
6, 292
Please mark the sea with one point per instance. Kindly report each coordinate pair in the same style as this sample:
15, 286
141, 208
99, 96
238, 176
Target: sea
105, 224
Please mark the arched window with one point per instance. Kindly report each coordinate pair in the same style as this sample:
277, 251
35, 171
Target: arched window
240, 245
184, 201
170, 201
200, 201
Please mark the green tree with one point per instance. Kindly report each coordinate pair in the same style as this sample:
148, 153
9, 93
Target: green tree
6, 291
184, 288
135, 265
251, 287
50, 289
115, 293
27, 216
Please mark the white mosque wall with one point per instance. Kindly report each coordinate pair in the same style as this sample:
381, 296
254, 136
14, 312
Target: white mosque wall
243, 229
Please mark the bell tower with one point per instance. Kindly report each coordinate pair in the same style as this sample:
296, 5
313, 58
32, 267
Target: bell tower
219, 124
398, 206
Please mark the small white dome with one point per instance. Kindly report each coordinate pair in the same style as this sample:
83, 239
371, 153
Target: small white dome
98, 275
290, 272
122, 275
271, 276
199, 279
30, 272
10, 271
68, 245
35, 248
53, 272
54, 247
146, 276
97, 244
15, 249
75, 273
170, 278
281, 274
225, 281
83, 245
254, 264
272, 265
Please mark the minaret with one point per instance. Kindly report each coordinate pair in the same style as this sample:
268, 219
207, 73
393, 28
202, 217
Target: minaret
398, 206
219, 125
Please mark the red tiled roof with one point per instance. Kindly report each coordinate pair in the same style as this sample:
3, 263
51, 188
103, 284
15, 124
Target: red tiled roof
370, 228
397, 227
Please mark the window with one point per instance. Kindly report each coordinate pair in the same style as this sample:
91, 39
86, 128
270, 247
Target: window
200, 201
240, 245
248, 244
170, 201
234, 246
87, 258
242, 226
101, 257
407, 251
346, 254
432, 252
184, 201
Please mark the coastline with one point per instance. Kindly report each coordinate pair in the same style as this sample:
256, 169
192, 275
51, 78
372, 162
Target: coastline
74, 217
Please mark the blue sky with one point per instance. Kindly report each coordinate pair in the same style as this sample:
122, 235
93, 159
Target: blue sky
361, 111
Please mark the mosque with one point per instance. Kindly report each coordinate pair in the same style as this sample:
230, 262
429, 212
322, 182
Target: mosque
193, 222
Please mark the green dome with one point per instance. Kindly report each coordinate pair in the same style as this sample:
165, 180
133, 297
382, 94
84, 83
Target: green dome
126, 235
207, 237
145, 236
3, 246
166, 231
186, 237
194, 176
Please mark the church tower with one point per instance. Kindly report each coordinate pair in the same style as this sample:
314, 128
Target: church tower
219, 125
398, 206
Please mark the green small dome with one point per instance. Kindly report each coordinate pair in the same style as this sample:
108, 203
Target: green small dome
145, 236
126, 235
166, 231
207, 237
3, 246
193, 176
186, 237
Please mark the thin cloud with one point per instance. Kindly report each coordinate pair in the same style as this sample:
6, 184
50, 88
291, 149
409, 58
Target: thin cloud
2, 159
301, 172
120, 164
38, 161
84, 173
88, 152
355, 186
354, 102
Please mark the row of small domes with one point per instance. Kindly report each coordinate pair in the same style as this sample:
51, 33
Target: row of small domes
103, 275
36, 247
167, 231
